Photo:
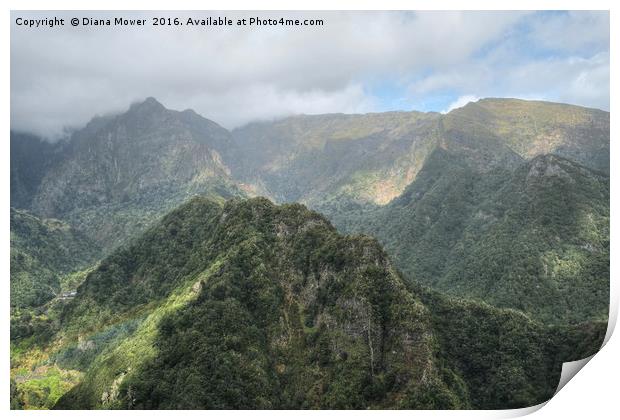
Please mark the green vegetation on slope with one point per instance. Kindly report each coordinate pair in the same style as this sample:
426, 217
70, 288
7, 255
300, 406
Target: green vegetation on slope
245, 304
275, 268
42, 388
506, 359
269, 307
535, 239
46, 255
43, 251
533, 128
370, 157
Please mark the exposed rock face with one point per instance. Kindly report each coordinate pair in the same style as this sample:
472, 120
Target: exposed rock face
31, 159
548, 166
533, 128
311, 159
120, 171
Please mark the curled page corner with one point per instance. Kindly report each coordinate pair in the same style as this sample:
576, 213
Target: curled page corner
569, 370
613, 316
521, 412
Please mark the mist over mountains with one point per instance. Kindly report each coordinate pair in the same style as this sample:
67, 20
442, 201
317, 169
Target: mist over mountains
492, 219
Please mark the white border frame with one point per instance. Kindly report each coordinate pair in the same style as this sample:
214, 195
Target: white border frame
593, 393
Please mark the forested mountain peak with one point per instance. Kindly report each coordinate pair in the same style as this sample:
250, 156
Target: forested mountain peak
534, 238
251, 305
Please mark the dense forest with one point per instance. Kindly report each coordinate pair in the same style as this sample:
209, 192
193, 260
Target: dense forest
251, 305
534, 239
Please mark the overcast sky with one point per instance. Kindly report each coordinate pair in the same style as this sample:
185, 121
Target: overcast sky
356, 62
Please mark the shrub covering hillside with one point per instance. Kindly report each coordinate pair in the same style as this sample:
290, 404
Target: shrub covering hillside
252, 305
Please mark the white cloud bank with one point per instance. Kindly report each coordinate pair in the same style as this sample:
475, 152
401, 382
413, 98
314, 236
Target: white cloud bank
63, 76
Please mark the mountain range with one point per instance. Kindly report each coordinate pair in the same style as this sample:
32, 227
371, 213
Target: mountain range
494, 219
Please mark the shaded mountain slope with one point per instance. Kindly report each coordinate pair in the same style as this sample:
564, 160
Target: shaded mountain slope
506, 360
31, 158
251, 305
42, 252
120, 173
534, 239
370, 157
